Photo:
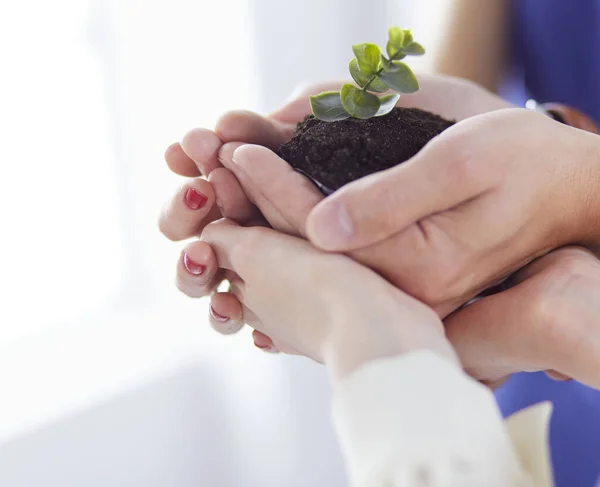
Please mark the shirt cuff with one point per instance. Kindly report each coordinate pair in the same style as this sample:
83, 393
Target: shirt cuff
417, 416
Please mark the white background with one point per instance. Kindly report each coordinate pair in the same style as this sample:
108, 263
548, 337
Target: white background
92, 330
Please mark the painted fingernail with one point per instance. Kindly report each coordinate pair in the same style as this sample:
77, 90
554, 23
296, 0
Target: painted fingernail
267, 349
216, 316
192, 267
194, 200
331, 226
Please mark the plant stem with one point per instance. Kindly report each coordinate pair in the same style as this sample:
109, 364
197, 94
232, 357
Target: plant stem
374, 77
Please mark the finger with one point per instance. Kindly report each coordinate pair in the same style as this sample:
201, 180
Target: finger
252, 128
563, 256
277, 185
254, 193
533, 325
197, 271
249, 251
267, 344
225, 313
442, 175
192, 207
263, 342
435, 92
202, 146
179, 162
498, 335
230, 197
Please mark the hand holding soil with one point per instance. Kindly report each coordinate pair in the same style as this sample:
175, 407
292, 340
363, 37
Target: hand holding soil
525, 189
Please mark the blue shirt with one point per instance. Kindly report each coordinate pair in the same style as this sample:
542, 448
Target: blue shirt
555, 57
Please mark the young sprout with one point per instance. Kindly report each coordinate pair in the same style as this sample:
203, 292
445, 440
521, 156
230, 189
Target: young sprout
373, 73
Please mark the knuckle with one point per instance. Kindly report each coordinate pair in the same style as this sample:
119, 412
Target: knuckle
245, 249
169, 230
194, 287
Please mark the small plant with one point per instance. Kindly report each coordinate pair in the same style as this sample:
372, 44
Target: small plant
374, 73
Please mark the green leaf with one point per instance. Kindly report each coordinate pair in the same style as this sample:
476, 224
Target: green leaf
328, 106
398, 39
388, 102
368, 56
414, 49
362, 79
396, 36
359, 103
400, 78
387, 64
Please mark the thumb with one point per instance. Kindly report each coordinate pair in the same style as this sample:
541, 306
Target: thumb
441, 176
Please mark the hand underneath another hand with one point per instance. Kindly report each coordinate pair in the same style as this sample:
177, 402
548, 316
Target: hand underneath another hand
446, 270
257, 178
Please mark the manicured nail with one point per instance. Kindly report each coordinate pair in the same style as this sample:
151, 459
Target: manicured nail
216, 316
192, 267
267, 349
331, 226
195, 200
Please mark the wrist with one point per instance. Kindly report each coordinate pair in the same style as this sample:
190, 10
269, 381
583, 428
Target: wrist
353, 343
586, 220
589, 214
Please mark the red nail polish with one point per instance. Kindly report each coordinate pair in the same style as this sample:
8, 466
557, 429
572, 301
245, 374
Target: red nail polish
267, 348
217, 316
194, 200
193, 267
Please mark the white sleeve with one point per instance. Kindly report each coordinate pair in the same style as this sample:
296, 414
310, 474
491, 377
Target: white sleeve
417, 420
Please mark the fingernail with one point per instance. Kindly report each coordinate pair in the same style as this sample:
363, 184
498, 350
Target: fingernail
216, 316
331, 226
192, 267
554, 375
267, 349
195, 200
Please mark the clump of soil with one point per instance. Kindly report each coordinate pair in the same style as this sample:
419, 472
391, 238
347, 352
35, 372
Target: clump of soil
336, 153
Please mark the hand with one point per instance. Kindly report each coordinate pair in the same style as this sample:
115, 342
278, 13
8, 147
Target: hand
321, 305
283, 196
546, 320
480, 201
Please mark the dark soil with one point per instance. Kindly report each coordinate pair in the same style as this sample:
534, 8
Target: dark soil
336, 153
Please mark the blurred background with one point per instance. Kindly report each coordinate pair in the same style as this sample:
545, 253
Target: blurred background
108, 376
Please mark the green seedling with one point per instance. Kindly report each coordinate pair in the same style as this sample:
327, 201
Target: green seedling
373, 72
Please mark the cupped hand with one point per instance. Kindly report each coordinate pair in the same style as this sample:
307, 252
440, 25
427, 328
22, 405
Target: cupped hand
545, 319
480, 201
315, 303
257, 183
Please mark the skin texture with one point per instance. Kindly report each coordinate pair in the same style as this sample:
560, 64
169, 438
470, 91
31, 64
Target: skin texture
284, 197
275, 275
357, 316
250, 181
529, 179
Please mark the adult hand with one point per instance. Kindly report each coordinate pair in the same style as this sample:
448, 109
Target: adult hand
480, 201
324, 306
547, 320
283, 196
